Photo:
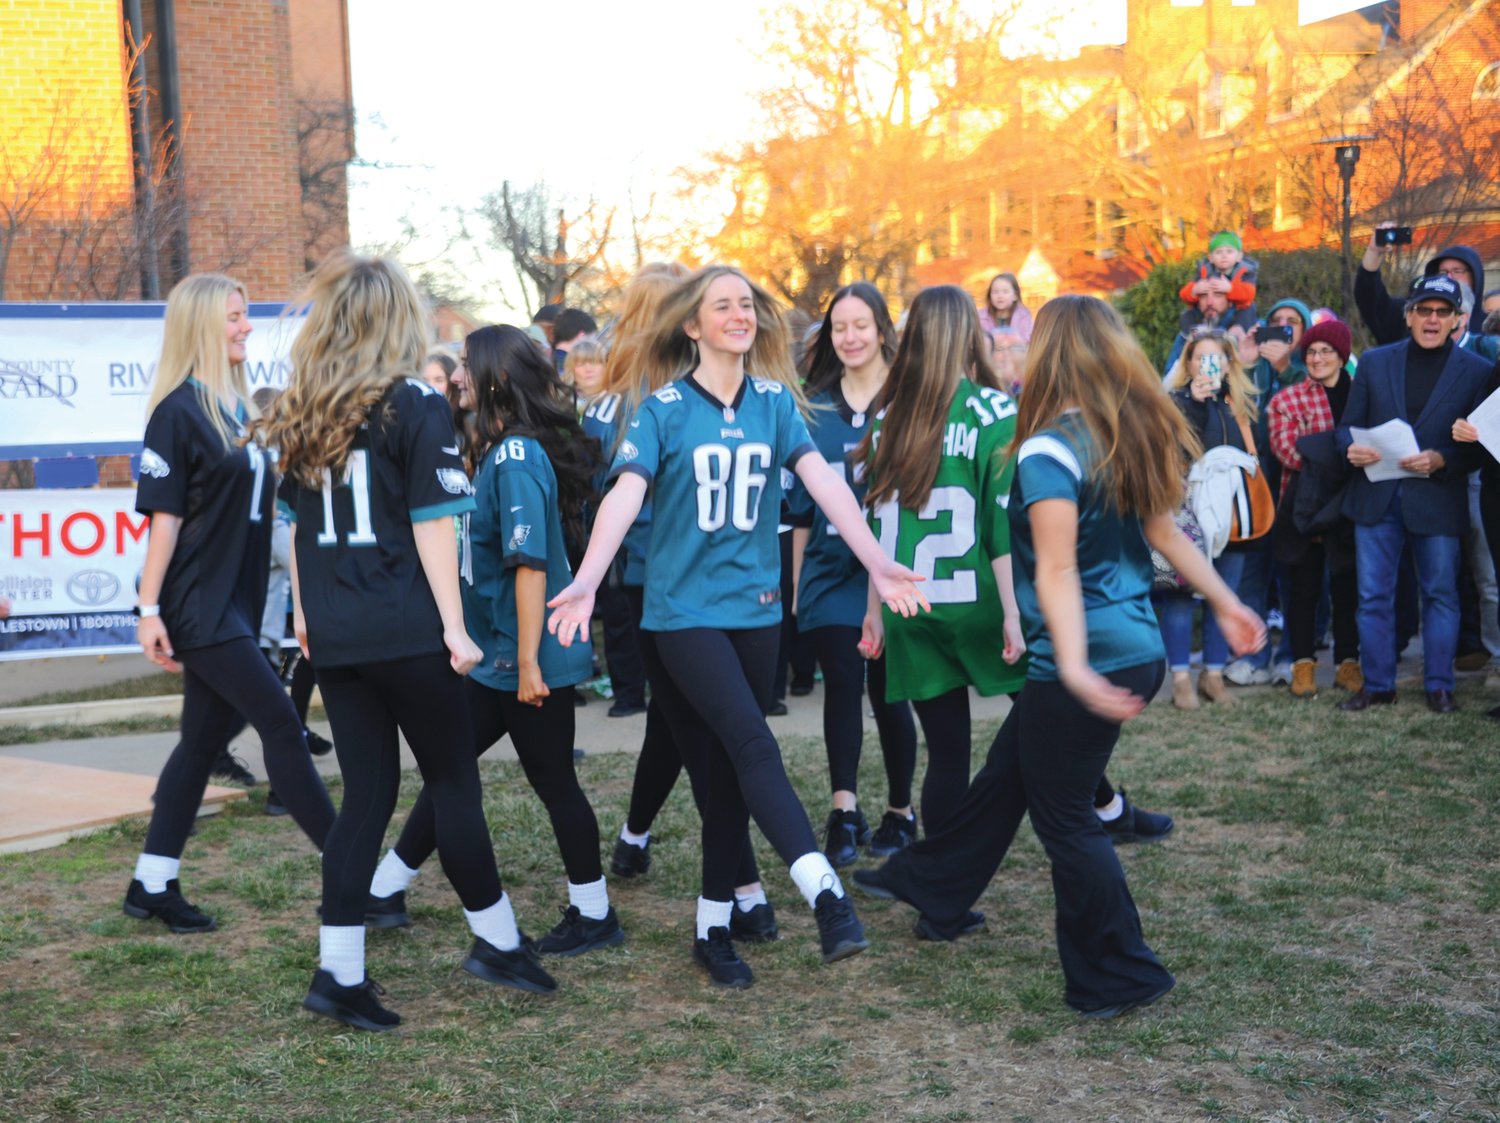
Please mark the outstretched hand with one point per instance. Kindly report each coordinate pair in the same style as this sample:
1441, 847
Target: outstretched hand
574, 608
897, 588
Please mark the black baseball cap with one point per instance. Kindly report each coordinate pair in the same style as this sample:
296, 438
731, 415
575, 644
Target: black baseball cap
1436, 287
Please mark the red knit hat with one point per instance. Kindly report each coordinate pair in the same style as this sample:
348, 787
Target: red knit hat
1335, 333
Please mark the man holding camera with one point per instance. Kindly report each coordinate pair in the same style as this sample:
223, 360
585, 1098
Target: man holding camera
1385, 315
1429, 383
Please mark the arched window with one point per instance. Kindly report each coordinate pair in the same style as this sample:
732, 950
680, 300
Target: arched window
1487, 85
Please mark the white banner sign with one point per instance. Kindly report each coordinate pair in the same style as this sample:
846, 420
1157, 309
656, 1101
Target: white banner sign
74, 550
74, 378
70, 561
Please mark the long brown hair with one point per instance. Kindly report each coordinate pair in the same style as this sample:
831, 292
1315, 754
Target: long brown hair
1083, 357
366, 328
667, 352
942, 344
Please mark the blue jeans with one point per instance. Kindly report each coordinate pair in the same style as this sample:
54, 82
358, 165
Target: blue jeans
1174, 615
1255, 590
1377, 559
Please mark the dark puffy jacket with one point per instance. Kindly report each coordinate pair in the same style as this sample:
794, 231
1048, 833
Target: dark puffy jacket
1385, 315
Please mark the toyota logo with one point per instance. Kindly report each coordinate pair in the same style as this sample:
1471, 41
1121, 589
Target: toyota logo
93, 587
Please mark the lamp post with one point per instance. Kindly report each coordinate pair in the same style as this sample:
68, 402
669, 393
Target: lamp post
1346, 154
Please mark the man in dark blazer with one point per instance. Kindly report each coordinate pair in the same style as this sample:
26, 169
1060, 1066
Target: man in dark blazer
1427, 382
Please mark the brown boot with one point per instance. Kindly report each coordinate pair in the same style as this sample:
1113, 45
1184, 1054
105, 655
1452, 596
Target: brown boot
1305, 679
1349, 676
1182, 691
1211, 688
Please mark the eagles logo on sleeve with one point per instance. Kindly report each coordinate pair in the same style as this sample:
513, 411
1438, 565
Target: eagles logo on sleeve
519, 535
628, 451
153, 465
454, 481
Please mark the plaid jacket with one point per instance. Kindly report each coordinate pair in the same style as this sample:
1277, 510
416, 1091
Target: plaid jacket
1296, 411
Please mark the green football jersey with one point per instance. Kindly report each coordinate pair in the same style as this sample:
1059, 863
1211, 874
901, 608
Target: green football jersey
952, 542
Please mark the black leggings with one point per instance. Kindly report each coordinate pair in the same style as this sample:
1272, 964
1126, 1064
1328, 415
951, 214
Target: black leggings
303, 681
218, 684
662, 759
543, 739
947, 716
622, 640
713, 686
366, 705
1302, 607
844, 676
1047, 760
946, 728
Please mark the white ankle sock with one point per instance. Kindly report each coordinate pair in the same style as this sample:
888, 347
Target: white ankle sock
813, 874
391, 876
626, 835
496, 925
712, 914
592, 900
154, 871
747, 901
341, 952
1113, 810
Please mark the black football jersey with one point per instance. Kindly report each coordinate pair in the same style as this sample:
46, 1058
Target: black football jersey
360, 579
215, 587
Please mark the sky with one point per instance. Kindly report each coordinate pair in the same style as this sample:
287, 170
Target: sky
596, 98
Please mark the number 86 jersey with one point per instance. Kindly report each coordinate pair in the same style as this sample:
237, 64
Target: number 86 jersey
715, 475
952, 541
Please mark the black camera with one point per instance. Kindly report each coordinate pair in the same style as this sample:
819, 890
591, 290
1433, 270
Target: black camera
1393, 236
1274, 333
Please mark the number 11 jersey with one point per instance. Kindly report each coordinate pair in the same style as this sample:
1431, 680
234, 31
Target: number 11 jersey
952, 541
363, 589
715, 473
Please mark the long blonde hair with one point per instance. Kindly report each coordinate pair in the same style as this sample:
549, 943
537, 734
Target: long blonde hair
667, 352
193, 346
366, 328
942, 344
1083, 357
644, 294
1239, 391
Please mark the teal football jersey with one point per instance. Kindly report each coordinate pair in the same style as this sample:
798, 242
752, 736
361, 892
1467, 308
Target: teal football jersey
516, 523
952, 542
1114, 561
714, 471
833, 586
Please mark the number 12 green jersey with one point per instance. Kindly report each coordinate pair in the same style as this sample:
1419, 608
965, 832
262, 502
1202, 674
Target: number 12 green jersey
952, 541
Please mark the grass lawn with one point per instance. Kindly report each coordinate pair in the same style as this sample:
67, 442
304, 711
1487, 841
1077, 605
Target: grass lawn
1328, 904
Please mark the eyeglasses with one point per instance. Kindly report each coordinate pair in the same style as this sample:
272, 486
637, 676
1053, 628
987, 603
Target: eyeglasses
1321, 352
1457, 272
1428, 312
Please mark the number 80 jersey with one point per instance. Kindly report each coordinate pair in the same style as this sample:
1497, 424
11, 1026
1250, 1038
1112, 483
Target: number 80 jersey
715, 474
952, 541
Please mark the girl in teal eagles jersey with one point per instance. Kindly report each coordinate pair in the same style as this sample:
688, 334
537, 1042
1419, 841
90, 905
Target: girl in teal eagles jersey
710, 445
845, 373
1096, 479
532, 479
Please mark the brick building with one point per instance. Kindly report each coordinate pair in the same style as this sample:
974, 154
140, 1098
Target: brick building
1210, 117
240, 113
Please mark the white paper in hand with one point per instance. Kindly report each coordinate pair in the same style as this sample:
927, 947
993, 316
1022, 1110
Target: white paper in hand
1395, 441
1486, 418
